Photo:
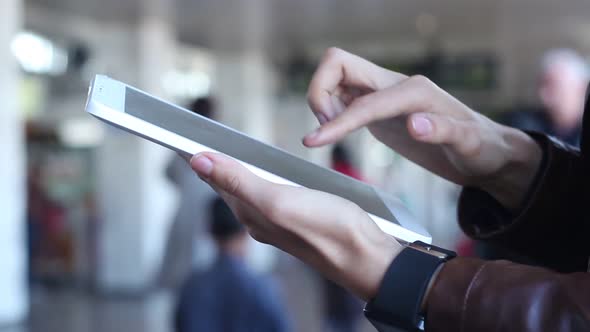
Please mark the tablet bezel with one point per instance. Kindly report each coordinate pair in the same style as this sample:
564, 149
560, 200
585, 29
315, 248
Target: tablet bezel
106, 101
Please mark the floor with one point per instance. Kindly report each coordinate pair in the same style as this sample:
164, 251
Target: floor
78, 311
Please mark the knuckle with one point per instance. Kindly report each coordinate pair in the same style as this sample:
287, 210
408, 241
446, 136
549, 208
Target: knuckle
313, 99
468, 141
420, 80
310, 97
333, 53
354, 209
445, 128
363, 112
364, 108
358, 103
232, 184
418, 87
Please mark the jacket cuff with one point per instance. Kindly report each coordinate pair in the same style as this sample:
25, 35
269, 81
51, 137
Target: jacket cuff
482, 217
475, 295
550, 214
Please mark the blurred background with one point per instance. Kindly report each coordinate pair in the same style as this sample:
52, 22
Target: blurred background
87, 212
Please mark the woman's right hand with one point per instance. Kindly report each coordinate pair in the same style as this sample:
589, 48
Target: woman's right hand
423, 123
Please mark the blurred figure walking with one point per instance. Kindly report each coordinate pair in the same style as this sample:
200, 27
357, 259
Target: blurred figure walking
229, 297
563, 79
188, 245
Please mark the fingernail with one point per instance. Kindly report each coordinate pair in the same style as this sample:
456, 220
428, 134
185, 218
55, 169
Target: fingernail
422, 125
313, 135
202, 165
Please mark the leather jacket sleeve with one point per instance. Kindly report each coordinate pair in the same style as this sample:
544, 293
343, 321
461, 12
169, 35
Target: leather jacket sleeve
476, 295
550, 228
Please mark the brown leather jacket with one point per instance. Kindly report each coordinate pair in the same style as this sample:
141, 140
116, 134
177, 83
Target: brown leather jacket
552, 228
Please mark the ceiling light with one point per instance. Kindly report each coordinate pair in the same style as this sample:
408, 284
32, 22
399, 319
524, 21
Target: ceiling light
38, 55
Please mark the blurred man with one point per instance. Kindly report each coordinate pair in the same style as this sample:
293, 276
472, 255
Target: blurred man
562, 87
562, 90
228, 297
188, 245
563, 79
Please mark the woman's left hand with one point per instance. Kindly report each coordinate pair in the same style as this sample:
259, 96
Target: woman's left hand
333, 235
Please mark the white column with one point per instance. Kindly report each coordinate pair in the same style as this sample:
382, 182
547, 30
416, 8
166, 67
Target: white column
13, 280
244, 79
157, 44
136, 199
121, 265
244, 85
244, 82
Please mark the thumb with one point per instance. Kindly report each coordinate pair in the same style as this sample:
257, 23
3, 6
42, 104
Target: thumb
231, 177
436, 128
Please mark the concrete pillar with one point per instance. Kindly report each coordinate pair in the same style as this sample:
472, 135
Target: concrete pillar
244, 83
244, 79
121, 265
136, 199
13, 280
157, 44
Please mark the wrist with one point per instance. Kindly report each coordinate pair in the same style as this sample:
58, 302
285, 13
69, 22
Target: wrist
376, 254
522, 159
402, 300
356, 259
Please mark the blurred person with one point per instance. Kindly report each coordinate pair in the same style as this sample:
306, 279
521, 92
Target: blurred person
564, 76
50, 245
342, 308
229, 297
188, 245
523, 190
342, 162
36, 205
564, 79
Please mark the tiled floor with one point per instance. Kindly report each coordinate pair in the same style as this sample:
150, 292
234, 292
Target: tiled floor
78, 311
75, 311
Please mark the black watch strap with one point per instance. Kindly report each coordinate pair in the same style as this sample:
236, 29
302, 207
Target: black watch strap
399, 299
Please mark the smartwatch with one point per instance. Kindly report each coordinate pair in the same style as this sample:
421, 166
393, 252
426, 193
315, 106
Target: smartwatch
398, 304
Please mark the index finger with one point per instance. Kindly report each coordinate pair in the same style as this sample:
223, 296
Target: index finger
401, 99
340, 68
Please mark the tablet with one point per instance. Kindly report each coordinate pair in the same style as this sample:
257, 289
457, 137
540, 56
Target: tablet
187, 133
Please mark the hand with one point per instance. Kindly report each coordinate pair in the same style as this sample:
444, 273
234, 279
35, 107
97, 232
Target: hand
331, 234
423, 123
